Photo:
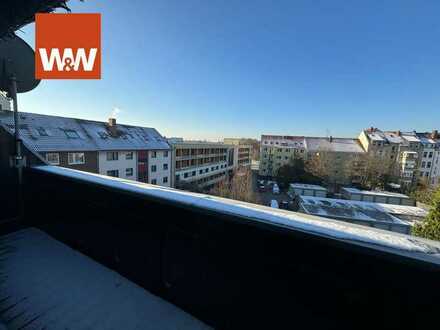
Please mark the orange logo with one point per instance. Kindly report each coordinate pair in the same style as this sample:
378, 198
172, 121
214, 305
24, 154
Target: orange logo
68, 46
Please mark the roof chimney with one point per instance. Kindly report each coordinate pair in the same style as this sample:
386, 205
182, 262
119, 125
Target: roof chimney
399, 133
434, 135
330, 138
112, 122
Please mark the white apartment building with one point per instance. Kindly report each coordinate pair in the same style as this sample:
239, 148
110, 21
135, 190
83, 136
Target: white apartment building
120, 164
108, 148
201, 163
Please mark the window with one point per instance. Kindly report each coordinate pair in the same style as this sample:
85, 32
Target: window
177, 177
428, 165
425, 154
71, 134
185, 175
53, 158
112, 155
165, 179
128, 172
153, 168
42, 131
113, 173
153, 154
165, 167
423, 164
165, 154
154, 181
76, 158
193, 173
201, 172
129, 155
430, 155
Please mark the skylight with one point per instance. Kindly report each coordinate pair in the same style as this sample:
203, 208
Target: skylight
71, 134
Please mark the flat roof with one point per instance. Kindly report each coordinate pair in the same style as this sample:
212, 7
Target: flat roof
307, 186
373, 192
394, 209
342, 208
48, 285
372, 238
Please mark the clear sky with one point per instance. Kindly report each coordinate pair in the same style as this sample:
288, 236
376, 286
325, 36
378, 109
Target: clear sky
208, 69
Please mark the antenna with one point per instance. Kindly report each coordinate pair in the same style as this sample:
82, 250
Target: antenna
17, 70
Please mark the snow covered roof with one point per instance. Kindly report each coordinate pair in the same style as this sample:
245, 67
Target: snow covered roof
338, 230
410, 137
392, 137
307, 186
342, 208
47, 285
373, 192
284, 141
334, 144
52, 133
320, 205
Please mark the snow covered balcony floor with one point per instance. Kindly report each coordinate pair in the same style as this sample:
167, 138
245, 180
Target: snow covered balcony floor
47, 285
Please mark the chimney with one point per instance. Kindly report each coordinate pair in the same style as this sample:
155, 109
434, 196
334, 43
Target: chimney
434, 135
330, 138
112, 127
399, 133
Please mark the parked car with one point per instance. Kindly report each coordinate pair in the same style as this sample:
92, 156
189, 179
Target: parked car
275, 189
274, 204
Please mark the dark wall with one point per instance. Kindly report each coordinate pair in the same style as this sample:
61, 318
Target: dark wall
90, 165
230, 272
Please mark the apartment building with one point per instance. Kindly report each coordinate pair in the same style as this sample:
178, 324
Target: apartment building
413, 156
108, 148
277, 151
201, 163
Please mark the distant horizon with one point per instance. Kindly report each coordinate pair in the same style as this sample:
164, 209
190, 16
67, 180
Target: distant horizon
207, 71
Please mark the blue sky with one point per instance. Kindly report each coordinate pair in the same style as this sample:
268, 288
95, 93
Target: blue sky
208, 69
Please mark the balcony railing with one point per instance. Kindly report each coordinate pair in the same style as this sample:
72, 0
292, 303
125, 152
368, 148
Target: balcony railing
237, 265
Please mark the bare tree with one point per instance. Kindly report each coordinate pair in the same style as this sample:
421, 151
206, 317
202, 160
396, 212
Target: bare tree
239, 187
373, 171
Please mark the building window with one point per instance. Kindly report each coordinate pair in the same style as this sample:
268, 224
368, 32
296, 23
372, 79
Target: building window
423, 164
76, 158
153, 168
165, 179
53, 158
71, 134
154, 181
153, 154
185, 175
430, 155
165, 167
193, 173
113, 173
165, 154
129, 155
42, 131
428, 165
112, 155
425, 154
177, 177
128, 172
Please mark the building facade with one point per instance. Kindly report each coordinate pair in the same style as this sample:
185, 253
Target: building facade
108, 148
201, 163
5, 103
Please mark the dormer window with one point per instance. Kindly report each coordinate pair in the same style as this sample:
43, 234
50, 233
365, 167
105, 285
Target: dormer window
42, 131
71, 134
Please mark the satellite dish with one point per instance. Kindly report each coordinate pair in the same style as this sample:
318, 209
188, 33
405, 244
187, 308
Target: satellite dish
17, 59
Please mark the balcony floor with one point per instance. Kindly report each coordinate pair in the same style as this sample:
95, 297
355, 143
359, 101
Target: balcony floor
45, 284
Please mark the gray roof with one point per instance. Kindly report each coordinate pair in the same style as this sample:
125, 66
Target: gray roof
336, 144
52, 133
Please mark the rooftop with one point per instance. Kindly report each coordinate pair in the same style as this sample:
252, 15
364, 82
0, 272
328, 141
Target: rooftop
307, 186
333, 144
374, 192
43, 133
341, 208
